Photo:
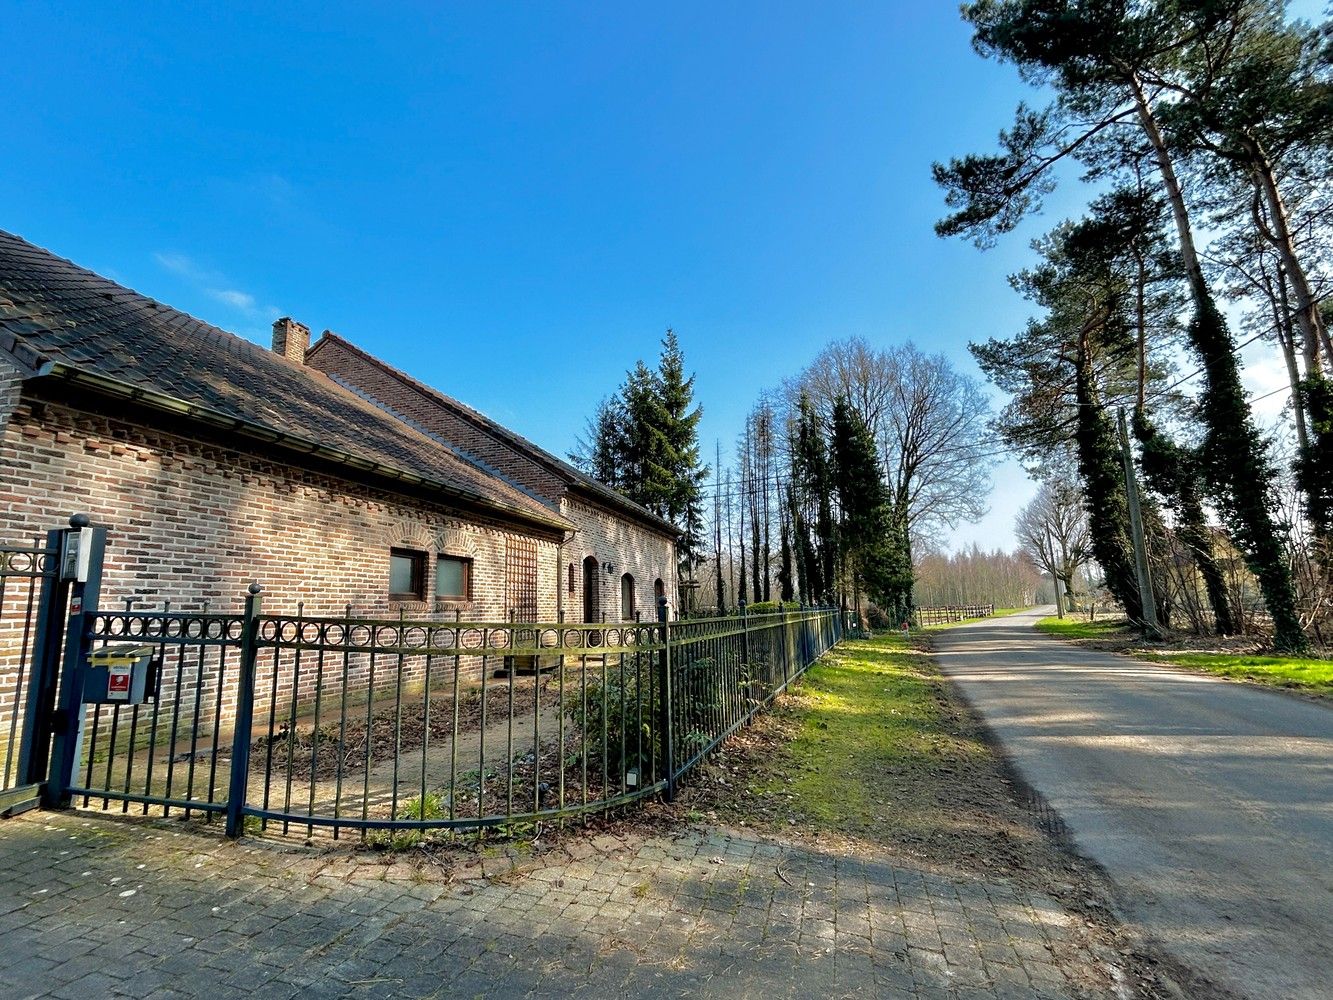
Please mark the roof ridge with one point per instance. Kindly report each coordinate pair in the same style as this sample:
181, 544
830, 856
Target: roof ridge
565, 469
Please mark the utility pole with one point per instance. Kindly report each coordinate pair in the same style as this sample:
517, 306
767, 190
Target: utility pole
1055, 580
1136, 530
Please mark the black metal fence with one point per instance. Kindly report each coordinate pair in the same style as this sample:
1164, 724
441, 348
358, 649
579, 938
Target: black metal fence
353, 724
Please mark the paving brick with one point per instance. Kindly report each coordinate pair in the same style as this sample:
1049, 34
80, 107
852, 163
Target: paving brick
267, 922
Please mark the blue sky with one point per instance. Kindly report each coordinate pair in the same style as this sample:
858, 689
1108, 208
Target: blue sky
513, 202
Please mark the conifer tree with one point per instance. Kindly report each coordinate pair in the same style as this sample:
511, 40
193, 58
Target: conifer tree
874, 549
644, 441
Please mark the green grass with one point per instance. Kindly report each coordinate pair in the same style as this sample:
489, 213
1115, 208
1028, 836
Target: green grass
865, 707
871, 746
1279, 671
1072, 627
1302, 673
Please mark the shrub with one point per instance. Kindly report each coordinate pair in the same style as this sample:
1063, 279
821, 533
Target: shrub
770, 607
625, 706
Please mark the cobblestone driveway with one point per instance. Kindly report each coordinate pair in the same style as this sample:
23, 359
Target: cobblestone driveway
96, 908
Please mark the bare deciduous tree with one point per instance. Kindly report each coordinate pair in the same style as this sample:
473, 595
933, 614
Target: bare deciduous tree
928, 419
1053, 530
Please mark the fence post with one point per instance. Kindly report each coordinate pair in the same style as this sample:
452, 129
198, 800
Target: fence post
804, 639
44, 669
786, 646
245, 710
664, 702
80, 555
745, 634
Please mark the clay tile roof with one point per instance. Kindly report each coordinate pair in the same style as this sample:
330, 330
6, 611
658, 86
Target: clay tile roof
563, 470
58, 318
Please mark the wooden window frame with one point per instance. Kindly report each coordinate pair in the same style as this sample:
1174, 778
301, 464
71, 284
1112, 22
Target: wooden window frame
467, 577
418, 558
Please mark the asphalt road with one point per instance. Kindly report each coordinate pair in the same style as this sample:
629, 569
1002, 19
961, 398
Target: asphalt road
1209, 803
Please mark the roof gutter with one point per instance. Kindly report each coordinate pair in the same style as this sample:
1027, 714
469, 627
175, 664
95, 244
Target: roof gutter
295, 442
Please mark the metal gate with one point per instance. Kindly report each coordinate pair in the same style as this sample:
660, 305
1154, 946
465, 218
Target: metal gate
37, 582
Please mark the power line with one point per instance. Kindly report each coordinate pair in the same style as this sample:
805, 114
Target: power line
970, 454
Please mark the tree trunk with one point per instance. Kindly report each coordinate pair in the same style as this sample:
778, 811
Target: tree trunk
1234, 458
1278, 233
1104, 488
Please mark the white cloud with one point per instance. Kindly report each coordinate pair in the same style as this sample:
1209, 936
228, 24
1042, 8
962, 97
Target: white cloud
178, 263
215, 285
239, 300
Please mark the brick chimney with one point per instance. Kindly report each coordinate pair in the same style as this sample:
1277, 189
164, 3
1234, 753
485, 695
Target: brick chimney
291, 339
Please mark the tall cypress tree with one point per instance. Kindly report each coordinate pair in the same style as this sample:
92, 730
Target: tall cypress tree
876, 557
813, 488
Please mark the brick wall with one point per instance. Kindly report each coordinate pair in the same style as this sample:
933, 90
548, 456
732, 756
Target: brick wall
351, 368
193, 520
11, 384
645, 555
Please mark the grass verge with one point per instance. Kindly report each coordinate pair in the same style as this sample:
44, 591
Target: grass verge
1081, 628
1312, 676
874, 745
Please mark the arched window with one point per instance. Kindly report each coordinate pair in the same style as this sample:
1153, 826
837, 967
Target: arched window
627, 597
571, 578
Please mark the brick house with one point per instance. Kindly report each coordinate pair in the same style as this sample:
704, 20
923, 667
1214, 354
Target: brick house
620, 558
214, 462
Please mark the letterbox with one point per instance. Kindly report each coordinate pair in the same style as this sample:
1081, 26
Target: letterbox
120, 675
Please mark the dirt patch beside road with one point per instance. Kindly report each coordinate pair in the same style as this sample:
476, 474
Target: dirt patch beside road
874, 753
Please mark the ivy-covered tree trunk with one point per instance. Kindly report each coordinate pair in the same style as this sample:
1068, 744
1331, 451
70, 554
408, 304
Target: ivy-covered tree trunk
1101, 469
1234, 459
1172, 473
1315, 466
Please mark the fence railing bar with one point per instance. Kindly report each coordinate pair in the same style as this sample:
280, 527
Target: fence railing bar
369, 736
453, 747
397, 725
425, 737
189, 805
315, 735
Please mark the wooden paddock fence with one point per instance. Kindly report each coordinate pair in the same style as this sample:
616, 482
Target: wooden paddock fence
951, 613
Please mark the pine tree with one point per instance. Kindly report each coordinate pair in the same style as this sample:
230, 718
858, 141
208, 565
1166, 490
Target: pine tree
644, 442
1108, 63
600, 449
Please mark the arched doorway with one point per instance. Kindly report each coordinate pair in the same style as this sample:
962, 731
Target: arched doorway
659, 592
591, 590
